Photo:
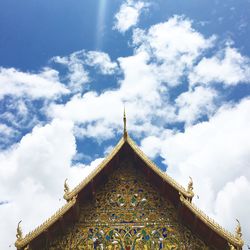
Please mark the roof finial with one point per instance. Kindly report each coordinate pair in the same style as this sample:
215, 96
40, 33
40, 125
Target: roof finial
124, 124
66, 187
66, 190
19, 233
238, 232
190, 189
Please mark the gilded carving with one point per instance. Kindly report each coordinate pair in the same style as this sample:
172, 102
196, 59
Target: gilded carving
190, 189
19, 233
127, 213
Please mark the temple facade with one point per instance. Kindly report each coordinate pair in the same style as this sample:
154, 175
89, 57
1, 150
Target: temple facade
128, 203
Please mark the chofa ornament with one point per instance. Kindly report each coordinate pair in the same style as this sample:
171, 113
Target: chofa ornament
190, 189
19, 233
238, 236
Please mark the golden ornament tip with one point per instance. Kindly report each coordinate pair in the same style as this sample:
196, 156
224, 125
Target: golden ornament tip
238, 230
124, 124
19, 233
66, 187
190, 189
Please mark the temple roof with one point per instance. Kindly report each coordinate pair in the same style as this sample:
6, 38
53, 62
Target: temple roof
181, 197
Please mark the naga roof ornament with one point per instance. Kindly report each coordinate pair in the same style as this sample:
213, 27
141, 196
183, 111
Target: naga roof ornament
19, 233
66, 189
190, 189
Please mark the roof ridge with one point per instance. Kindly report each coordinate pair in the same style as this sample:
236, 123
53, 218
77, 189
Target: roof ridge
86, 180
21, 242
212, 223
153, 166
185, 194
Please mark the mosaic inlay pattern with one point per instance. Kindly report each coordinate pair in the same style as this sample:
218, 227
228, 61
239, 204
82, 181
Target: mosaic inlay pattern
127, 214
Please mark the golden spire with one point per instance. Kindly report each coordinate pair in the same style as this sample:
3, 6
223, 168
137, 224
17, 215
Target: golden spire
124, 125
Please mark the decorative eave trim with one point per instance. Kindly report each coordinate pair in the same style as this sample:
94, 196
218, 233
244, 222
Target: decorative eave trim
229, 237
71, 200
137, 150
22, 242
81, 185
156, 169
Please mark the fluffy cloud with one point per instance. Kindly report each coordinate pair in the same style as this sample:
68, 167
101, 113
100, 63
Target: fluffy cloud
102, 61
195, 103
42, 85
32, 176
128, 15
5, 130
138, 89
232, 202
159, 57
6, 134
174, 45
19, 113
216, 154
227, 66
77, 75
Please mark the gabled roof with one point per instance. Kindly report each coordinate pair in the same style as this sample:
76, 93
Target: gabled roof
184, 200
150, 164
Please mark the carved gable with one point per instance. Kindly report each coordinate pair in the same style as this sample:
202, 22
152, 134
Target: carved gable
127, 212
128, 203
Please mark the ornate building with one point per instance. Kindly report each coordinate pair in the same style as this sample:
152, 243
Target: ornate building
128, 203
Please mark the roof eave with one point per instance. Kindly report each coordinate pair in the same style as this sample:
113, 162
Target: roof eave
68, 196
229, 237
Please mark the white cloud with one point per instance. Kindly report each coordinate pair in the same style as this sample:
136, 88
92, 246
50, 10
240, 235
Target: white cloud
32, 156
41, 85
32, 173
175, 46
100, 115
195, 103
228, 67
232, 202
7, 133
20, 114
151, 145
128, 15
102, 61
77, 76
216, 154
5, 130
163, 55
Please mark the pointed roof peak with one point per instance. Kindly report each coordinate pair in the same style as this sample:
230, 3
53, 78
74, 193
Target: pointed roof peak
125, 133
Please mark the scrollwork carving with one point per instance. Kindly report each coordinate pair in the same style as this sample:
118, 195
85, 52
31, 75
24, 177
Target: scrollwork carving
127, 213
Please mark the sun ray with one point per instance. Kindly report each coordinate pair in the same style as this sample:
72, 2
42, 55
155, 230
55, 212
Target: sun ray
101, 16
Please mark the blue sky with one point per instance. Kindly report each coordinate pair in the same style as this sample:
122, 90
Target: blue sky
34, 31
67, 68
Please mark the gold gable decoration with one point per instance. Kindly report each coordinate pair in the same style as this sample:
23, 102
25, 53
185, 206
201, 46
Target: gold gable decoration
127, 213
101, 231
